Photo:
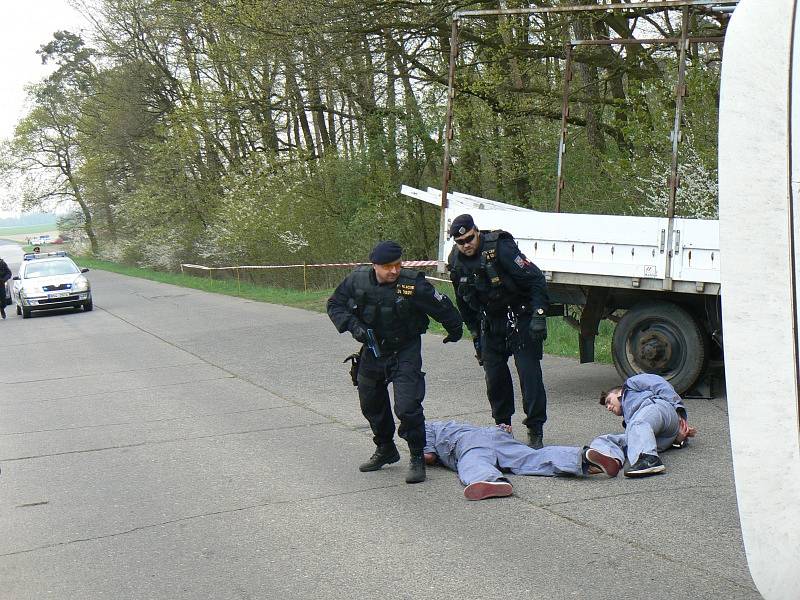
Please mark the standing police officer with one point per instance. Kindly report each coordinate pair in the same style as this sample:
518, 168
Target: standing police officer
5, 275
502, 297
386, 308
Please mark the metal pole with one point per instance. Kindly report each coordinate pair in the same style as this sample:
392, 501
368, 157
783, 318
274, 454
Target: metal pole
674, 180
448, 136
562, 139
305, 278
238, 282
680, 94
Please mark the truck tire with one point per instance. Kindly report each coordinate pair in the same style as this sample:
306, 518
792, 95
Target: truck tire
660, 338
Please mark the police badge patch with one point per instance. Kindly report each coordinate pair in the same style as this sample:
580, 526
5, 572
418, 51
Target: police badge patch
521, 261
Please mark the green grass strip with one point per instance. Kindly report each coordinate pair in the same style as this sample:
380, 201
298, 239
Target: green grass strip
562, 340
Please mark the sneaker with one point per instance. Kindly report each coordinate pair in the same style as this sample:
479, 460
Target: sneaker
648, 464
601, 463
385, 454
480, 490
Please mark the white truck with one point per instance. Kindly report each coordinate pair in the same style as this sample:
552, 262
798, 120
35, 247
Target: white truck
670, 292
662, 272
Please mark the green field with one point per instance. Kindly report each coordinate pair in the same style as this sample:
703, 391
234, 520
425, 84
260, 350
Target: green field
562, 340
32, 229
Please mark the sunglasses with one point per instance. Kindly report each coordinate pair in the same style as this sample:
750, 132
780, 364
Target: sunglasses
465, 240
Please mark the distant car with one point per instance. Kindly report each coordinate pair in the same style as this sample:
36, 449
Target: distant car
50, 280
41, 239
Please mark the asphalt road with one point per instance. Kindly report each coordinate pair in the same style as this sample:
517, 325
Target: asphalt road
179, 444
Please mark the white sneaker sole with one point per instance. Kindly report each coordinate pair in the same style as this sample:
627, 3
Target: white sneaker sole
646, 472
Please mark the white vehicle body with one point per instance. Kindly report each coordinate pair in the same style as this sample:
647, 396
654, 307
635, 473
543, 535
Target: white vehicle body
626, 251
759, 174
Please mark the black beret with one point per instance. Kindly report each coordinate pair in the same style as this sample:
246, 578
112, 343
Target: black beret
461, 225
385, 253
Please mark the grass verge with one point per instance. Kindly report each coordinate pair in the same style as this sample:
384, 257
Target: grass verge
562, 340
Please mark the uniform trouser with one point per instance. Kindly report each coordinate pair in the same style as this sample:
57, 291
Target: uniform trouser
482, 454
403, 369
496, 348
651, 430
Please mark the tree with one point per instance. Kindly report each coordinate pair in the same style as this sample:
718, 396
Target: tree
45, 152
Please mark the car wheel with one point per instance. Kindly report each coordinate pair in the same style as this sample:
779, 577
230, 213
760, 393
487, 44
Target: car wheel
88, 305
26, 313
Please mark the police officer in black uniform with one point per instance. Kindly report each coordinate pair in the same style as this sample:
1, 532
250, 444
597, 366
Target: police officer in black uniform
502, 297
5, 275
386, 308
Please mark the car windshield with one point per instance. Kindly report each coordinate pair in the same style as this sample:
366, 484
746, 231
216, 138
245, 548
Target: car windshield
50, 268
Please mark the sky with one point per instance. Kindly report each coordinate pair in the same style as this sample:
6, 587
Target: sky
24, 27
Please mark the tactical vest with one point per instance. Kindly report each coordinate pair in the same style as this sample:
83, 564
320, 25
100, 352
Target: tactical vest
484, 284
388, 309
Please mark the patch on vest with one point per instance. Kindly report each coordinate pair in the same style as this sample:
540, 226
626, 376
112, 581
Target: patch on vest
405, 289
437, 295
521, 261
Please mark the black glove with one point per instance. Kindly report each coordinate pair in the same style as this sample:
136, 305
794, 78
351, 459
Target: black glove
359, 332
453, 336
476, 342
538, 328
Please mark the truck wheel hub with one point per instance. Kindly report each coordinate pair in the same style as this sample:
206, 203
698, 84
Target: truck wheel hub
654, 350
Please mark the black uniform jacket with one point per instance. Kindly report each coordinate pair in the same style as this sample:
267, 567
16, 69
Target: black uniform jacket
5, 275
425, 299
530, 283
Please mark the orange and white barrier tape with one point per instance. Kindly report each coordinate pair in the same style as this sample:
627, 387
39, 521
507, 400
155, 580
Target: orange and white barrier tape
408, 263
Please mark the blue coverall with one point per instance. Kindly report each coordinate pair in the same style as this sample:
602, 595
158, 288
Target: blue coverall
479, 453
651, 411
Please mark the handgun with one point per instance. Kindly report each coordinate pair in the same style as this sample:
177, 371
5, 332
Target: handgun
372, 342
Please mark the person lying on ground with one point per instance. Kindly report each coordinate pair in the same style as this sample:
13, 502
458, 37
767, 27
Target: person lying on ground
654, 418
481, 456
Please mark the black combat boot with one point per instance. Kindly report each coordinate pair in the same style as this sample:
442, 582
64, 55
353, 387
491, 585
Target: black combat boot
535, 438
385, 454
416, 468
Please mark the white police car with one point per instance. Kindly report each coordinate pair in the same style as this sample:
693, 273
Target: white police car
50, 280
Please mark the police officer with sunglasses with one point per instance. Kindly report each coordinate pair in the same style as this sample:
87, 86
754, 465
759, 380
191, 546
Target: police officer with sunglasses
502, 297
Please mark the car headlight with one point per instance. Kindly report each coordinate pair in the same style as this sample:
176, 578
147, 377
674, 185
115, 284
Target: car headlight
81, 284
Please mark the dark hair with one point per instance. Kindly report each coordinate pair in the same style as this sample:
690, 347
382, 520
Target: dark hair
604, 395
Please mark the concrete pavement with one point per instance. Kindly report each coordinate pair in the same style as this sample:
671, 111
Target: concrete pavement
179, 444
